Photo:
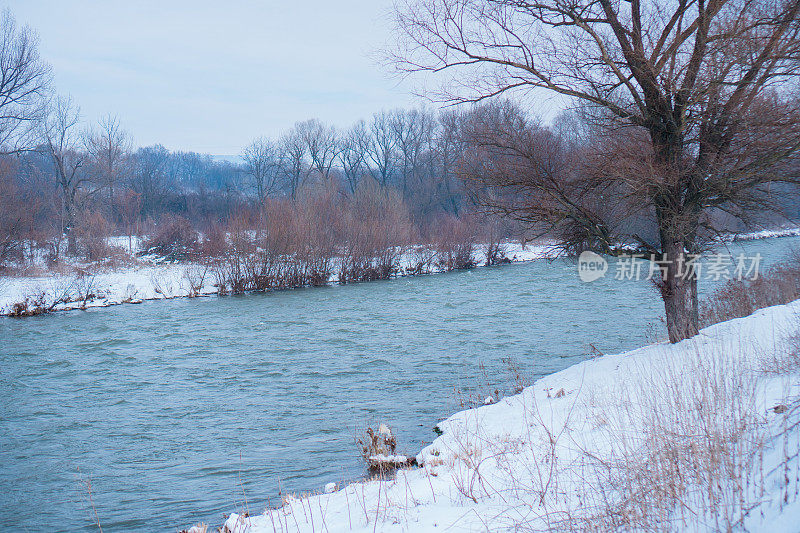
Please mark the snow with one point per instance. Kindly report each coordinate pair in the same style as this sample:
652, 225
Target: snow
391, 459
535, 461
789, 231
129, 285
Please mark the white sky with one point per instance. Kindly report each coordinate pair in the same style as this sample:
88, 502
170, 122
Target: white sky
208, 75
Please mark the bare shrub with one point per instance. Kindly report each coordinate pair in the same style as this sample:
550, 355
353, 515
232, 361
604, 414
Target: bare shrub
421, 260
377, 230
516, 374
695, 455
785, 362
492, 235
91, 233
174, 238
195, 278
780, 284
215, 242
455, 244
31, 306
378, 451
316, 236
84, 289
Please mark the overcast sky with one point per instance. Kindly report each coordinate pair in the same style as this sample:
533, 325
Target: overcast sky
209, 75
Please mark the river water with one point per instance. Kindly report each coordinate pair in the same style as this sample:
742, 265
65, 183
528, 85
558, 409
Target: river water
177, 411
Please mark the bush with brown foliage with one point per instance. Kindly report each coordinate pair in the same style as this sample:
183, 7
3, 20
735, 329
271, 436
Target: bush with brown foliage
215, 242
91, 232
780, 284
455, 244
377, 230
316, 234
173, 238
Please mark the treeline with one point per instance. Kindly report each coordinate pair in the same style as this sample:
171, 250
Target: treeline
67, 185
80, 183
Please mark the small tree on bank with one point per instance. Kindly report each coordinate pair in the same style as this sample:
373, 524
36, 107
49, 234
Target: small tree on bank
690, 99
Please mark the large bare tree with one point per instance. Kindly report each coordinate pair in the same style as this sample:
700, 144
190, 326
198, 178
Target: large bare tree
24, 84
322, 144
382, 148
62, 137
353, 154
413, 131
695, 96
294, 154
108, 145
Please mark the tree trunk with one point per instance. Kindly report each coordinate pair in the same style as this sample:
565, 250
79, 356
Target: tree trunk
679, 292
69, 227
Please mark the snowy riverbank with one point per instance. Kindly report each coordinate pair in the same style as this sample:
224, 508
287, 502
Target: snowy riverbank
152, 280
700, 435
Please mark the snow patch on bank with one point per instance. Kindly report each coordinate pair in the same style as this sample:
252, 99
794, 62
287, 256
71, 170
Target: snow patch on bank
764, 234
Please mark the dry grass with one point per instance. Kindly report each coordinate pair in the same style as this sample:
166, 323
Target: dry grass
779, 285
378, 450
689, 451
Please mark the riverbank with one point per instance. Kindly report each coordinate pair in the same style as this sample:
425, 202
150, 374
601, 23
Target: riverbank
153, 280
83, 286
702, 434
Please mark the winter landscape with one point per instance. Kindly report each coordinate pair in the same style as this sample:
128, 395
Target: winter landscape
425, 265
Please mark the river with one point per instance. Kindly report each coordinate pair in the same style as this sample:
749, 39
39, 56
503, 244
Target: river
177, 411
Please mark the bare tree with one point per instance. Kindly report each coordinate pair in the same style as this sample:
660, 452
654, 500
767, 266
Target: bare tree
353, 154
262, 164
63, 146
149, 176
413, 132
295, 167
382, 148
24, 85
322, 144
694, 88
108, 145
16, 213
448, 150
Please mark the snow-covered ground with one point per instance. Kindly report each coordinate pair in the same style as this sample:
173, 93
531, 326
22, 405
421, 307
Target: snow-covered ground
153, 280
697, 436
766, 234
